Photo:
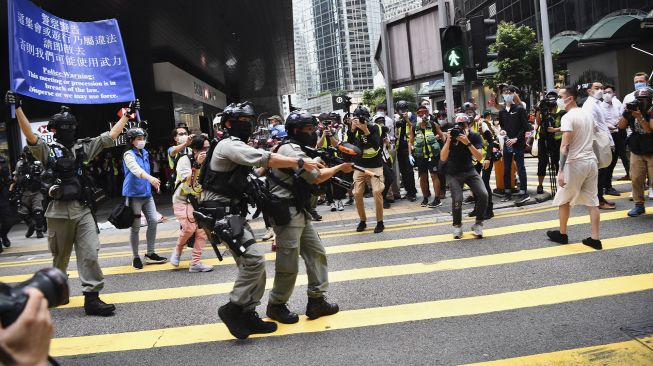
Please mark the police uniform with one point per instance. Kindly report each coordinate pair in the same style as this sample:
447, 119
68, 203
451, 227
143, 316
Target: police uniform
71, 222
31, 201
296, 238
229, 157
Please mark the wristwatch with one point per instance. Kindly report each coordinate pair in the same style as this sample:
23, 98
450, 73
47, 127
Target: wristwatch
300, 163
469, 144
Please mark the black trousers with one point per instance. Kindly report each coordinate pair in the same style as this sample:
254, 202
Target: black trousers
547, 150
407, 174
605, 177
622, 149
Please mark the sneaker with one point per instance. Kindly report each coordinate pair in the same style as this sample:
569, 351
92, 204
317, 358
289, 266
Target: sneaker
361, 226
540, 189
612, 192
200, 267
469, 200
522, 198
333, 207
636, 211
436, 203
593, 243
154, 259
341, 207
425, 202
556, 236
457, 232
269, 233
281, 313
478, 230
379, 227
315, 216
624, 178
386, 204
174, 259
5, 241
136, 263
506, 198
411, 198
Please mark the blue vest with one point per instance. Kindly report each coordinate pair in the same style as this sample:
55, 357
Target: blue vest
134, 186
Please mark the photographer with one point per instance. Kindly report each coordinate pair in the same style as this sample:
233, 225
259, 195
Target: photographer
369, 138
69, 216
638, 115
426, 151
460, 146
27, 340
402, 132
549, 136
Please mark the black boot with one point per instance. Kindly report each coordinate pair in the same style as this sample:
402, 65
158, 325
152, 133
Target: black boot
257, 326
280, 313
39, 234
318, 306
489, 212
39, 224
232, 316
94, 306
5, 241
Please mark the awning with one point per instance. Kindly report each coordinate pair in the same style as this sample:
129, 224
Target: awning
615, 27
565, 42
490, 70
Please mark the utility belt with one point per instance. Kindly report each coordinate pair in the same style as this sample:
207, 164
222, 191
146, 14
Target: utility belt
223, 223
69, 189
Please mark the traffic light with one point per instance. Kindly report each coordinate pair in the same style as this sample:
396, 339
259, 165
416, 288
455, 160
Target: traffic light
451, 42
480, 41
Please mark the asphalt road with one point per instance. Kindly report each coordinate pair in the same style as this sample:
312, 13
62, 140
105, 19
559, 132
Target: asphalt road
411, 295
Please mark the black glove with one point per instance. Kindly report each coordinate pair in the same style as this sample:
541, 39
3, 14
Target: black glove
134, 106
13, 98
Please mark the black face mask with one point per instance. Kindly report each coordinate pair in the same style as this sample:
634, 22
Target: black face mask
66, 137
306, 139
241, 130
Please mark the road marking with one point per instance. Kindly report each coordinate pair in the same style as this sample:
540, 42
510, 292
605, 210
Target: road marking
377, 272
430, 310
356, 247
622, 353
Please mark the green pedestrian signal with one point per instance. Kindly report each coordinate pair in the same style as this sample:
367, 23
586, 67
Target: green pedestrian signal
451, 42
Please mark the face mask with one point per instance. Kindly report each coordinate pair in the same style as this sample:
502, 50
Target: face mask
607, 97
242, 130
640, 86
307, 139
140, 144
598, 94
65, 137
561, 104
508, 98
442, 121
182, 139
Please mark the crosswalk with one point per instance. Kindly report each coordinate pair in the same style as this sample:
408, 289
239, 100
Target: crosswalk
411, 295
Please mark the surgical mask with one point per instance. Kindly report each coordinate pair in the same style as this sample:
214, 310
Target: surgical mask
598, 94
307, 139
561, 104
182, 139
140, 144
640, 85
508, 98
607, 97
442, 121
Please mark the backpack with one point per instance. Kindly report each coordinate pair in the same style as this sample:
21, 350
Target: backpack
170, 183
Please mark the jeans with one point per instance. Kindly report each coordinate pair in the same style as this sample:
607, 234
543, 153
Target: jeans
518, 153
475, 183
145, 205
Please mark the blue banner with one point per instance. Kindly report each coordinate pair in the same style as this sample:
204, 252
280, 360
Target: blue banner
57, 60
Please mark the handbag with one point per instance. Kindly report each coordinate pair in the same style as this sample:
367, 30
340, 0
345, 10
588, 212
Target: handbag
535, 148
601, 146
122, 216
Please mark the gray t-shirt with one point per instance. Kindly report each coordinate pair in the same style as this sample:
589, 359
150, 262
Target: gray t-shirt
580, 123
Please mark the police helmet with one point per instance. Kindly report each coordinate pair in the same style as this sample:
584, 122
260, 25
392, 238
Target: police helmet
133, 133
63, 119
299, 119
401, 105
235, 110
362, 113
468, 105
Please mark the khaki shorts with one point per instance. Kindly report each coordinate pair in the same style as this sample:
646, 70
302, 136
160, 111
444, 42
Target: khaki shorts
581, 177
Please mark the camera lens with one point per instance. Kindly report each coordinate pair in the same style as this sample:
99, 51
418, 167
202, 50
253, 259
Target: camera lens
52, 283
56, 192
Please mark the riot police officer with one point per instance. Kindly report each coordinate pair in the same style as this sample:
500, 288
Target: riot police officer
294, 232
28, 187
224, 180
69, 216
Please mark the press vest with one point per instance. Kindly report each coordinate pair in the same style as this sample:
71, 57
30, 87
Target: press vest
426, 145
370, 152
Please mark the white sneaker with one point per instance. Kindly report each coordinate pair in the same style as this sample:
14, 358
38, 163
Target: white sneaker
174, 259
341, 207
478, 230
333, 207
269, 233
650, 193
200, 267
457, 232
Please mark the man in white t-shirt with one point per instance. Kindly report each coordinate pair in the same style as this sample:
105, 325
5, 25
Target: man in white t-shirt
578, 173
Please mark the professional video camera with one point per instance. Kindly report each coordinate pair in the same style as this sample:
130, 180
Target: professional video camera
50, 281
547, 103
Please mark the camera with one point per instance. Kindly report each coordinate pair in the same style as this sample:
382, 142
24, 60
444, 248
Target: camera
455, 132
632, 106
52, 282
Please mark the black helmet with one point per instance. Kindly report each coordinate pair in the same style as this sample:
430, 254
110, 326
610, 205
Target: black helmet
299, 119
63, 118
382, 106
401, 105
362, 113
133, 133
235, 110
335, 117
